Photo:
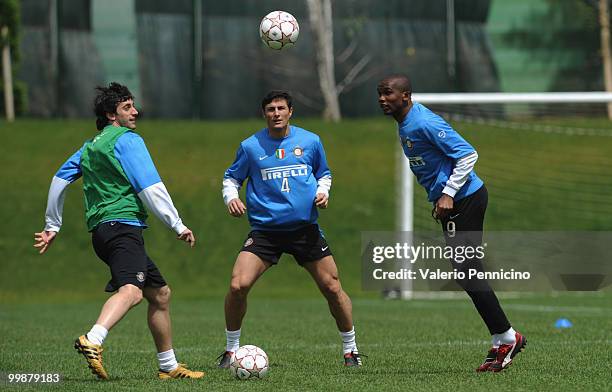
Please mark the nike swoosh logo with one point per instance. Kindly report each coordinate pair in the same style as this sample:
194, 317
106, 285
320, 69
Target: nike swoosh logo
324, 249
454, 216
262, 158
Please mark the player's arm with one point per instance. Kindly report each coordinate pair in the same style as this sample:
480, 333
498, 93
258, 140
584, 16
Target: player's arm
323, 175
232, 182
69, 172
453, 145
140, 170
461, 171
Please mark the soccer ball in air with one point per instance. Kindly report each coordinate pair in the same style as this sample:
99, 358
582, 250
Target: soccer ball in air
279, 30
249, 362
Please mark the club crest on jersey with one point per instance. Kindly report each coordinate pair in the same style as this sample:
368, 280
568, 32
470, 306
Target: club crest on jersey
408, 143
140, 277
298, 151
248, 242
280, 153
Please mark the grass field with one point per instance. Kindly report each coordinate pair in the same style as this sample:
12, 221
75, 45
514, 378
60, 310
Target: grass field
414, 345
536, 181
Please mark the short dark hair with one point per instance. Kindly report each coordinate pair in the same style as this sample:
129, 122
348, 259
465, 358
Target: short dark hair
277, 94
400, 82
107, 100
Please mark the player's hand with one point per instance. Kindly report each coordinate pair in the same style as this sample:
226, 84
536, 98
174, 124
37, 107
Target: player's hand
188, 237
321, 200
236, 208
444, 206
43, 240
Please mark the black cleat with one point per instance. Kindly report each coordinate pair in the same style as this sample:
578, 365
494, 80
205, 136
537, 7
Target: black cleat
224, 360
353, 359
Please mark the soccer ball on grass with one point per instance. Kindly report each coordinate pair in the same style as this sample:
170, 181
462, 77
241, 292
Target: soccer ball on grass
279, 30
249, 362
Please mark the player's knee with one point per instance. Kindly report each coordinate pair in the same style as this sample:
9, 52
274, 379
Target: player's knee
133, 293
162, 299
331, 287
136, 297
473, 285
238, 288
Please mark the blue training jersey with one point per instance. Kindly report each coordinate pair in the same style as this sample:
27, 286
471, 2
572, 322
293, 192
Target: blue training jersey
131, 151
282, 178
432, 147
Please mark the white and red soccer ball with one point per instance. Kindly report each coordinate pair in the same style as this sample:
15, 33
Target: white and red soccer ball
279, 30
249, 362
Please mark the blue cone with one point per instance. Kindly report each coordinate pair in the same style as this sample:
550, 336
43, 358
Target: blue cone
563, 323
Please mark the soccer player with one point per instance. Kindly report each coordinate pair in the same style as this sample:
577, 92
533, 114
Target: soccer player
443, 163
119, 179
288, 178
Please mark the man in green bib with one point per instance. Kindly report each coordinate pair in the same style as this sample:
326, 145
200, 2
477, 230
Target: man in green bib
119, 180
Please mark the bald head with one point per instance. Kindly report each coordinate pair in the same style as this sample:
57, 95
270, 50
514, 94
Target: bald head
398, 82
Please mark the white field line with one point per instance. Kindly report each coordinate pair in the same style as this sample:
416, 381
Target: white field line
553, 309
605, 311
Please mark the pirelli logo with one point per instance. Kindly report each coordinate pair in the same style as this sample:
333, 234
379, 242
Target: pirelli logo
272, 173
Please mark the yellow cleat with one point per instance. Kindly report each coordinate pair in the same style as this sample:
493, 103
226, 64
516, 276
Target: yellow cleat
180, 372
93, 355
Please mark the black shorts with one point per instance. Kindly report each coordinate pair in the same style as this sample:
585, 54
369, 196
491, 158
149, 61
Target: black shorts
121, 247
305, 244
464, 224
467, 217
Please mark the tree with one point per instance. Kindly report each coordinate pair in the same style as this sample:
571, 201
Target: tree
9, 24
321, 22
7, 74
604, 22
320, 15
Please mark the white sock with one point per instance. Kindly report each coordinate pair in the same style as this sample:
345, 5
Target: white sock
97, 334
232, 340
494, 342
348, 341
508, 337
167, 361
